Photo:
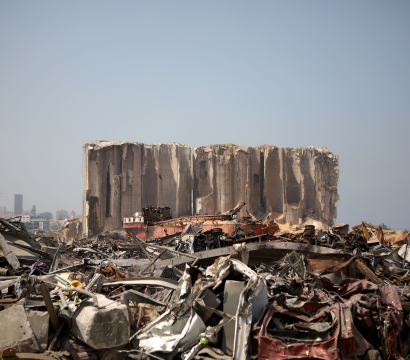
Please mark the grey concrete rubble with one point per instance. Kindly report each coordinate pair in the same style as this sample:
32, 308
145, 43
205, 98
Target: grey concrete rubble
292, 292
104, 327
16, 331
39, 322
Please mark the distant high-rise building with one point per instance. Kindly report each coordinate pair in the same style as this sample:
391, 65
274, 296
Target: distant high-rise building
3, 210
61, 215
33, 211
18, 204
46, 215
72, 214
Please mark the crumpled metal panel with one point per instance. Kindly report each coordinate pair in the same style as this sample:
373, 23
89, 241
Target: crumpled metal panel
351, 341
338, 263
165, 333
269, 348
391, 322
392, 296
349, 287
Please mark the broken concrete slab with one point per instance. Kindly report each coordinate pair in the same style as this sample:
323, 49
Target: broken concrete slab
104, 327
17, 331
39, 322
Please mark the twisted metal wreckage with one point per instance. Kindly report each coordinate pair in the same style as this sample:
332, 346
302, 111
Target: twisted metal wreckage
195, 293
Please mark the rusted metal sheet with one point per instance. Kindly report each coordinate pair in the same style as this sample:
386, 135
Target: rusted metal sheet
392, 296
13, 300
391, 323
329, 263
156, 227
362, 227
161, 230
350, 287
340, 264
153, 214
380, 236
397, 240
351, 341
365, 270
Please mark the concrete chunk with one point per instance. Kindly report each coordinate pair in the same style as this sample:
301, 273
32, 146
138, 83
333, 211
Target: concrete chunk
16, 331
39, 321
104, 327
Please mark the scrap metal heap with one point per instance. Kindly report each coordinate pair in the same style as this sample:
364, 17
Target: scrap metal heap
153, 214
156, 222
206, 294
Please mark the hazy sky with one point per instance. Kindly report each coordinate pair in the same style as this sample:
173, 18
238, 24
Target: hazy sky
284, 73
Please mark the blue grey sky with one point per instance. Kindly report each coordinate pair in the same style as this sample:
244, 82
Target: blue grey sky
284, 73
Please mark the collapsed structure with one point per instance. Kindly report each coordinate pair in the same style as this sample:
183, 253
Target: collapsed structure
287, 184
341, 294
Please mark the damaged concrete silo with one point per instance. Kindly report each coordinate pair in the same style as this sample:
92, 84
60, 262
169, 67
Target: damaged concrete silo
289, 183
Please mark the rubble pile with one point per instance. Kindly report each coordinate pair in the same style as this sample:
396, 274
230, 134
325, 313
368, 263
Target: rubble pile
336, 294
102, 246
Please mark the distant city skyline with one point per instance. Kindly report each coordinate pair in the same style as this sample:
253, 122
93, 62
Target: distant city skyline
31, 210
35, 220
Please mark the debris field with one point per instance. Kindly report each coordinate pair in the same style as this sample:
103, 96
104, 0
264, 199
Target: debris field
204, 293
